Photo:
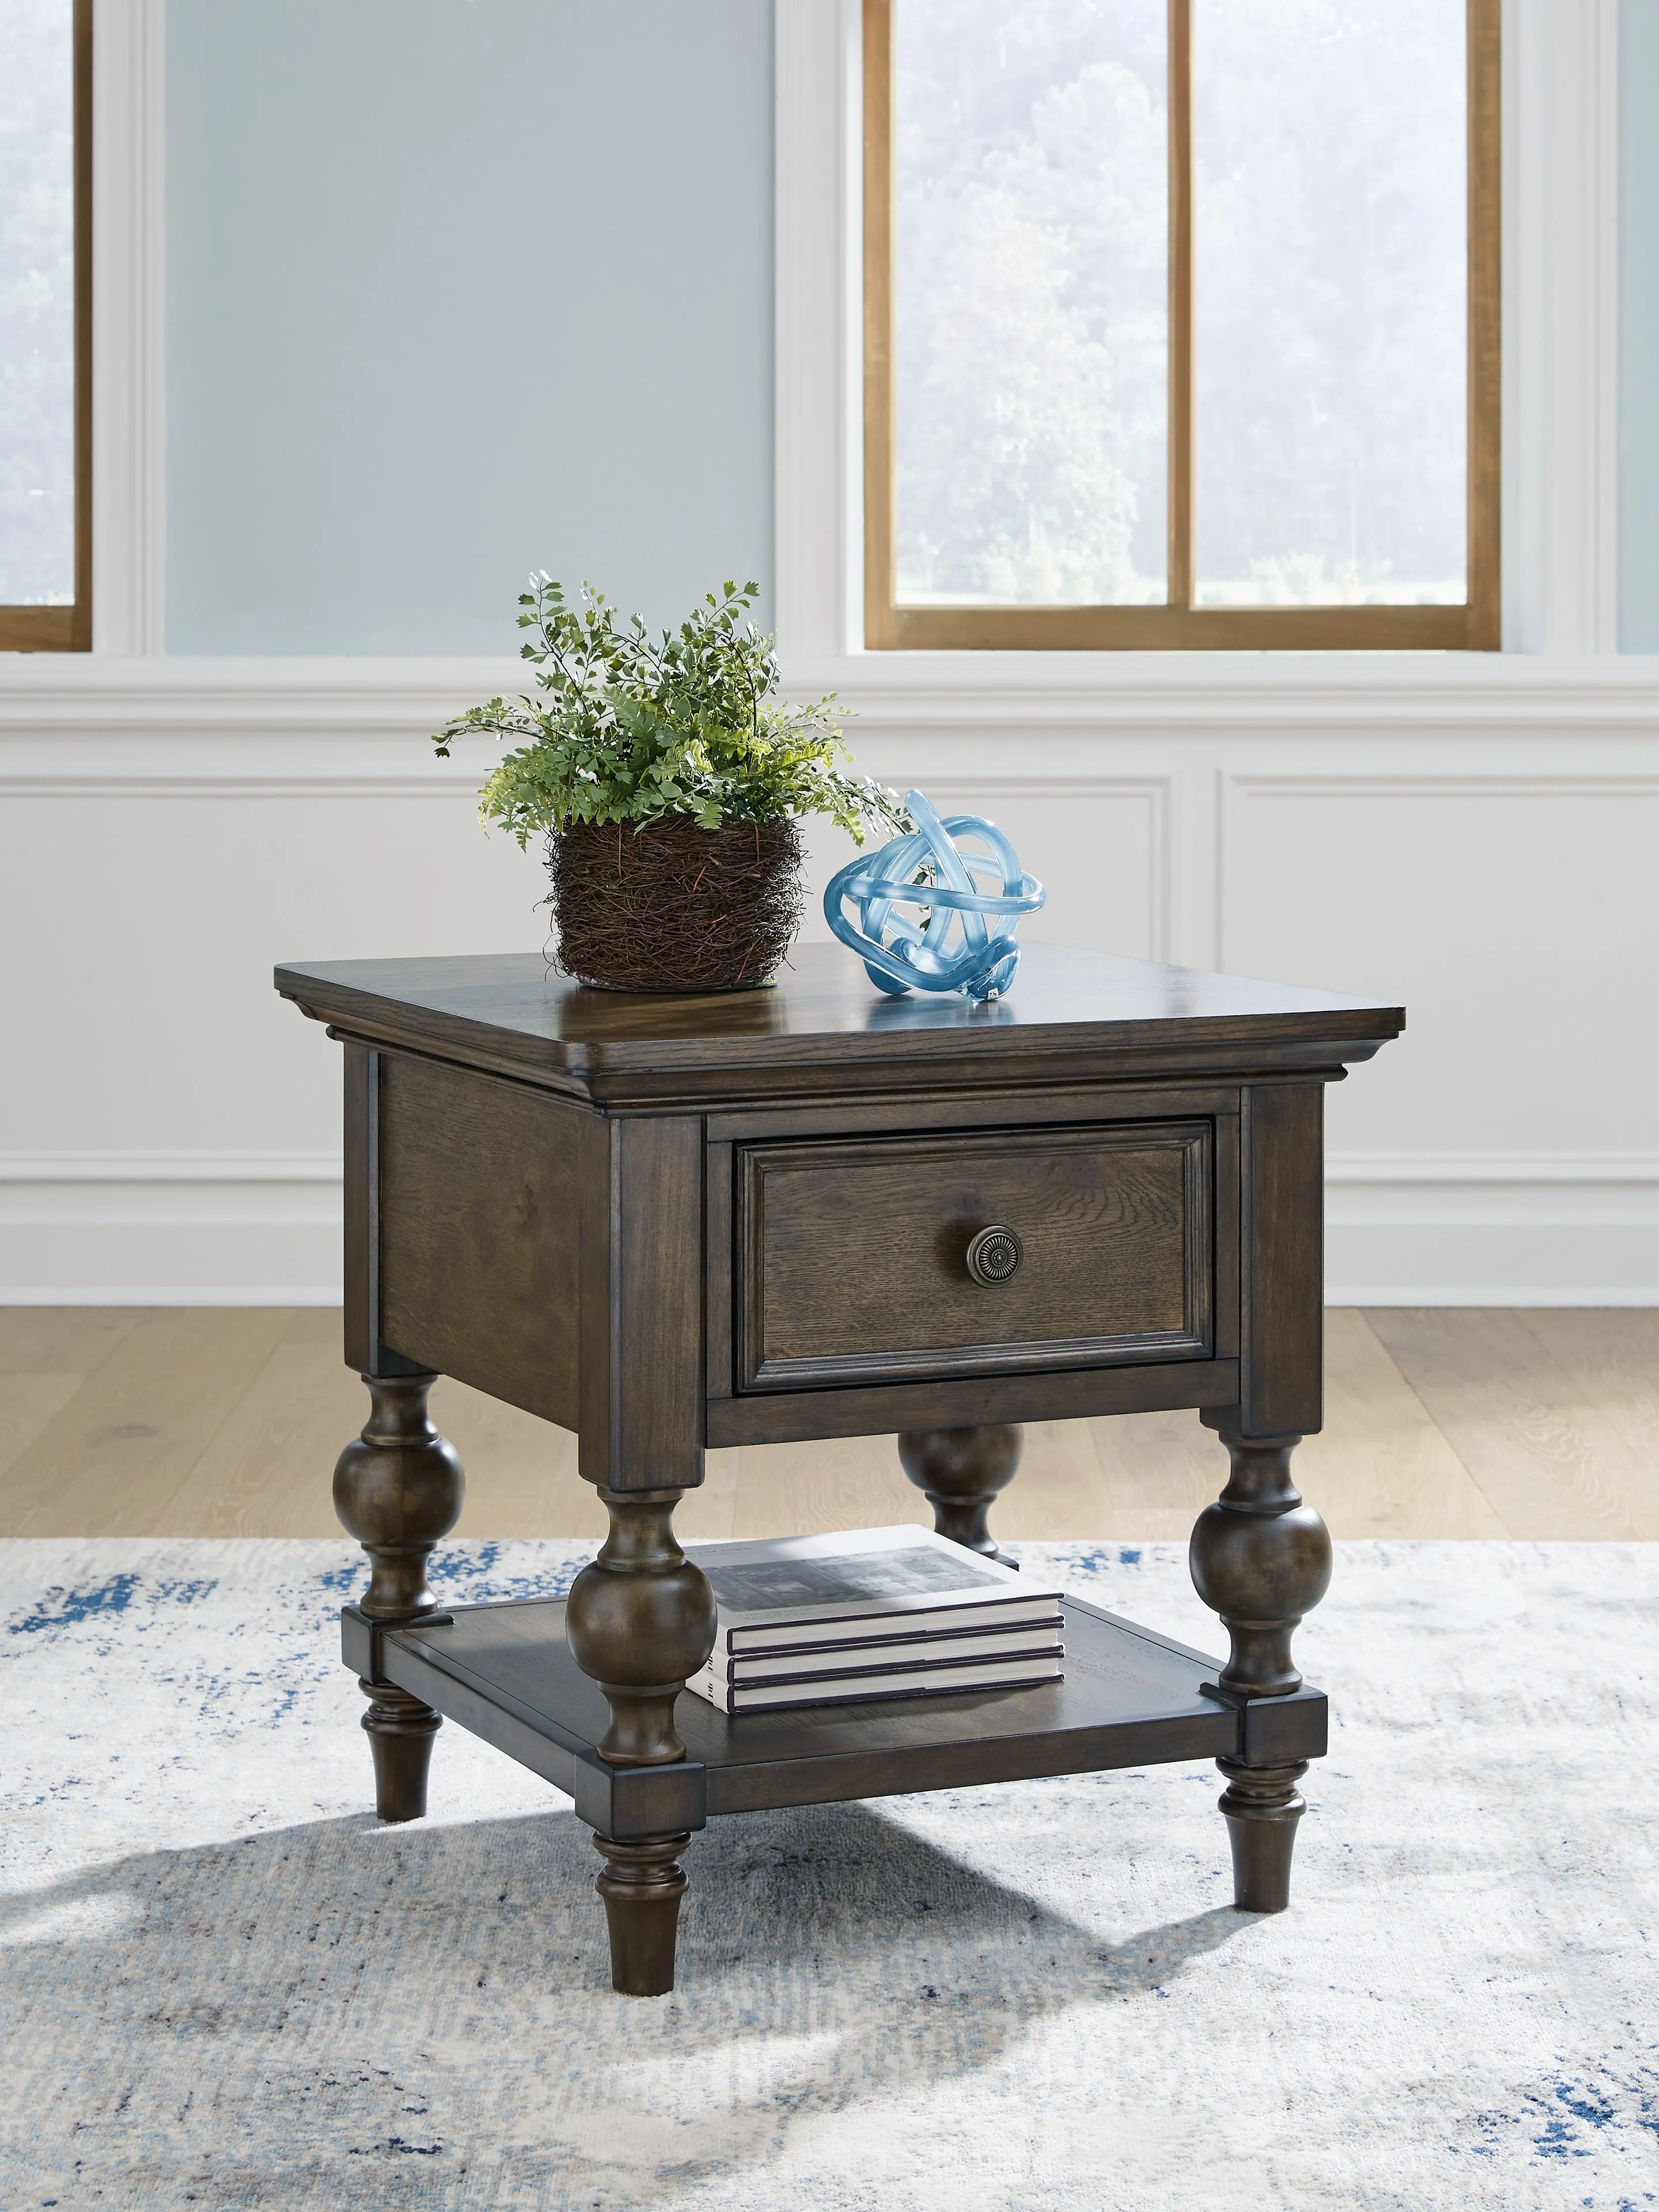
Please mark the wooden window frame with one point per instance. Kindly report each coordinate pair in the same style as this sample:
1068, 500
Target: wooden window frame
69, 629
1179, 625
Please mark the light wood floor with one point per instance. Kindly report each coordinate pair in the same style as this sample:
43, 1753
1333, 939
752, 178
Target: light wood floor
216, 1422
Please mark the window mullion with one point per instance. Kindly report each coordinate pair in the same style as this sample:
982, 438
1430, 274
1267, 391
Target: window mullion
1180, 585
880, 455
81, 632
1485, 325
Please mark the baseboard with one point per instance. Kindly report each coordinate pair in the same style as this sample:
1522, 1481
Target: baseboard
171, 1294
1492, 1230
1447, 1230
1488, 1296
166, 1229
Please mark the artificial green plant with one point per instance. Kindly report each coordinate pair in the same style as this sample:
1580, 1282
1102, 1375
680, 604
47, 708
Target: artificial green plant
632, 729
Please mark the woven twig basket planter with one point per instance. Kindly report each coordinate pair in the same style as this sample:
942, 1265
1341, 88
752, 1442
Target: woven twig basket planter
668, 906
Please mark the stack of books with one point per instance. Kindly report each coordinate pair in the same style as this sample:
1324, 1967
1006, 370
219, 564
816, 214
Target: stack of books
870, 1613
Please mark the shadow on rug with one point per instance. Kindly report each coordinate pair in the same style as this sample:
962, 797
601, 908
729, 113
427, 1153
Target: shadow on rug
344, 1992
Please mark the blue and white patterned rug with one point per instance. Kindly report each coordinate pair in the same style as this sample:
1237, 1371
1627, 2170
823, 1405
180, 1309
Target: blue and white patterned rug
225, 1986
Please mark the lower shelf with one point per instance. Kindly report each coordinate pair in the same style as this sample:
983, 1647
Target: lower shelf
1129, 1698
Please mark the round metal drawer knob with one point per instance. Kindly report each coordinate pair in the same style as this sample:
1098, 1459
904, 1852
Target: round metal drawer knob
994, 1255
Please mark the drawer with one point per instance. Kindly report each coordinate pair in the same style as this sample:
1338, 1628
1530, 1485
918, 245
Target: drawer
852, 1261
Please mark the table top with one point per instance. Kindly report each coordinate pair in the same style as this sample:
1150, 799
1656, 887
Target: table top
508, 1009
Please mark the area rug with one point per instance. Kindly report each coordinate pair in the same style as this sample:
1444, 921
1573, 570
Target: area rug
224, 1986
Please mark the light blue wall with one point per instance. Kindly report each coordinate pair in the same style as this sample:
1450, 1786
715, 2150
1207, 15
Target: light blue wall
456, 288
1638, 326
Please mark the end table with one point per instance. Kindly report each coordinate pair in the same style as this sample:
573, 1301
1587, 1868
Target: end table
672, 1222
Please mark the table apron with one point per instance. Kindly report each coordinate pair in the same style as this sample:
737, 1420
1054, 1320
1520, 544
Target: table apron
971, 1401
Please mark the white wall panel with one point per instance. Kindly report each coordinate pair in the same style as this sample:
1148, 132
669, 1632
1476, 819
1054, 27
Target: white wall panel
147, 1018
168, 1129
1505, 1151
1514, 916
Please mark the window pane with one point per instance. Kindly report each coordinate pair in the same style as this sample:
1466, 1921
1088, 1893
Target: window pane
1330, 338
1031, 323
36, 304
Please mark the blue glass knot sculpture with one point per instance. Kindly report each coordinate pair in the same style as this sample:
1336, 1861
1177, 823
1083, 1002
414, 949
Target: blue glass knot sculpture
964, 938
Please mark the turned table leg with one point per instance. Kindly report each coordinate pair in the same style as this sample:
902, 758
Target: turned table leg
639, 1621
961, 1471
397, 1489
1261, 1559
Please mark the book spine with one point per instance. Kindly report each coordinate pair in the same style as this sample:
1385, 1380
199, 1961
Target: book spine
890, 1653
969, 1670
819, 1698
714, 1687
894, 1627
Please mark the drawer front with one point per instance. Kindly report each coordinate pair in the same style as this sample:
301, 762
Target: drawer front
852, 1261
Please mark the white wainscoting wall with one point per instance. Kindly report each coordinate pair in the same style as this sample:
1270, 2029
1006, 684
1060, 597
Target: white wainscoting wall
1475, 835
1476, 839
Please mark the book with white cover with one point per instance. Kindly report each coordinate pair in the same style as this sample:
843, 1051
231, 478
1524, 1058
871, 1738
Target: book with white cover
795, 1665
861, 1688
858, 1584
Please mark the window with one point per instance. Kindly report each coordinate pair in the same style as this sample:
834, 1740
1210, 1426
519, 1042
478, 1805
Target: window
46, 325
1181, 323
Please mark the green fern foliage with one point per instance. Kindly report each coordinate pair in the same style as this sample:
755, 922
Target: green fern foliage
630, 728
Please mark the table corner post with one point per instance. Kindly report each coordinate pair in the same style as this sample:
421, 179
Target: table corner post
1261, 1557
397, 1489
639, 1621
398, 1485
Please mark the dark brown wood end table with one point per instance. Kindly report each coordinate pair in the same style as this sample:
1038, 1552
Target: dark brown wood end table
673, 1221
